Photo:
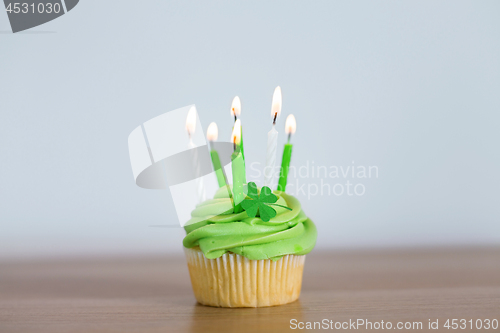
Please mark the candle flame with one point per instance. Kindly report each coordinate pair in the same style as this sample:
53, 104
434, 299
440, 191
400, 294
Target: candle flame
191, 121
236, 135
212, 132
236, 107
290, 124
276, 106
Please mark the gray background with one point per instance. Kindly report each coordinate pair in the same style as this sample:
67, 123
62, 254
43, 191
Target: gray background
411, 87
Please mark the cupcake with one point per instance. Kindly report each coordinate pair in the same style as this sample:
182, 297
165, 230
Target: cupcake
251, 258
246, 246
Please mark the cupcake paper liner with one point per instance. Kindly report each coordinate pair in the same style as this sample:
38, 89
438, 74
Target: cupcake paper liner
235, 281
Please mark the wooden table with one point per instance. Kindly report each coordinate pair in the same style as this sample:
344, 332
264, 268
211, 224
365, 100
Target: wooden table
153, 294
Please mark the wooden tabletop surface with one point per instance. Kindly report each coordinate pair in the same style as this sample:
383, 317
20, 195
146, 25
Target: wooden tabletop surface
153, 294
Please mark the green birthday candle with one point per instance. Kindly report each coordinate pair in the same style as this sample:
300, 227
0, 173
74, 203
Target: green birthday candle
238, 168
290, 127
212, 134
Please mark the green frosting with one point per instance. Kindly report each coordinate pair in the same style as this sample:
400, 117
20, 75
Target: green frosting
289, 232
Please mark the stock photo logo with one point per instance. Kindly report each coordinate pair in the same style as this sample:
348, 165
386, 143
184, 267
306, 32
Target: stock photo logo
26, 14
170, 152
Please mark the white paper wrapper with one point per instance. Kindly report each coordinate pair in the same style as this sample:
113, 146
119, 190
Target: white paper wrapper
235, 281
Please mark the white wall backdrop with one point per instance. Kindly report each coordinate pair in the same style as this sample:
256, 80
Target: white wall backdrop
410, 87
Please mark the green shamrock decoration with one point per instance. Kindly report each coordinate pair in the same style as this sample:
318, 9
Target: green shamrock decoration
261, 204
